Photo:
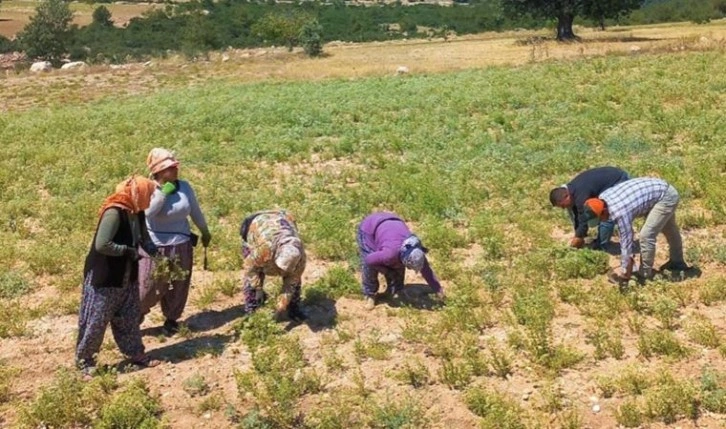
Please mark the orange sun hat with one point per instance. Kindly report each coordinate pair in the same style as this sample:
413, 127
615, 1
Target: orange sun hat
594, 208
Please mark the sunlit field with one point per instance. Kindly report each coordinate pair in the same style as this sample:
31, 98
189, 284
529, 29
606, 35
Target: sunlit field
465, 146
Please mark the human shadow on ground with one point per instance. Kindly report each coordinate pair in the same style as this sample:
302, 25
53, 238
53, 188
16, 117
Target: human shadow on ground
204, 321
187, 349
415, 295
320, 311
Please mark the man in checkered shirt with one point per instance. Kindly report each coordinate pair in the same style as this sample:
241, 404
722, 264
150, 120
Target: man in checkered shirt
646, 196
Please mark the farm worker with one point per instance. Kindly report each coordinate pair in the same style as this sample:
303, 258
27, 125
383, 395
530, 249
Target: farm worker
572, 196
657, 201
387, 246
110, 293
271, 246
173, 202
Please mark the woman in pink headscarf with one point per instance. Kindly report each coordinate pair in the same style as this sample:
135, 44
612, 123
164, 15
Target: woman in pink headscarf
110, 274
172, 204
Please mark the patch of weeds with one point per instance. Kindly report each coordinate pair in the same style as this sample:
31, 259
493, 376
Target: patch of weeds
607, 386
579, 264
333, 361
277, 381
13, 285
553, 399
184, 331
228, 287
13, 319
211, 403
373, 348
713, 291
660, 342
465, 312
338, 281
713, 391
255, 420
572, 293
500, 361
570, 419
607, 341
61, 404
534, 310
206, 298
455, 373
340, 412
560, 357
628, 414
669, 400
6, 381
496, 410
703, 332
196, 385
395, 414
257, 329
665, 310
132, 407
415, 374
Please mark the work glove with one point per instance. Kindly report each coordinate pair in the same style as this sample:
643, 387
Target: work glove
206, 238
131, 253
168, 188
577, 242
150, 248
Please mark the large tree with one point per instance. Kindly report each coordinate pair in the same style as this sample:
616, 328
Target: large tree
46, 35
565, 11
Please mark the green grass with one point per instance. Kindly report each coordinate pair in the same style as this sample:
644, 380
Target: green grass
468, 158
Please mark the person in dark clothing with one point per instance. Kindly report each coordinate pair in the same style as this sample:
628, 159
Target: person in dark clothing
572, 197
110, 293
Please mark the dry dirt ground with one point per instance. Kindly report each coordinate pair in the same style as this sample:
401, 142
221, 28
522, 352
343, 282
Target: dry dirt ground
22, 90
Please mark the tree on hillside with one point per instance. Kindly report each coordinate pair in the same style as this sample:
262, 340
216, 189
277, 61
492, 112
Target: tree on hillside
47, 33
565, 11
283, 29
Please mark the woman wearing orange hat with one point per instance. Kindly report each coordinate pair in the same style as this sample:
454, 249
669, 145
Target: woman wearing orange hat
173, 202
110, 274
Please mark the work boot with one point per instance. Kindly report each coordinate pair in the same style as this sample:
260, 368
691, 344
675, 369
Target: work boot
370, 303
295, 313
170, 328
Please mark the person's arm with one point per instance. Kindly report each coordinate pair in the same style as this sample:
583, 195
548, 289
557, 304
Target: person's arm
146, 242
157, 203
428, 274
386, 257
107, 229
198, 217
580, 221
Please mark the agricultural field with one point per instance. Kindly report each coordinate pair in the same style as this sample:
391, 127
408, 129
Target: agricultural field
466, 147
15, 14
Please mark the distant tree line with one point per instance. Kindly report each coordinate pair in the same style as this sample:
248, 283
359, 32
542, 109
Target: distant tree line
200, 26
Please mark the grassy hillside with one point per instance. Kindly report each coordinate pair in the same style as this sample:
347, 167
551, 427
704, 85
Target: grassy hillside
531, 336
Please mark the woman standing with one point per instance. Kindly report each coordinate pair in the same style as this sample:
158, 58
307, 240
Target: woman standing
110, 275
173, 202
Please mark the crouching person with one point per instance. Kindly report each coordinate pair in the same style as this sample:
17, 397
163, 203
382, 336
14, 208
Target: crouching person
388, 247
657, 201
110, 289
271, 247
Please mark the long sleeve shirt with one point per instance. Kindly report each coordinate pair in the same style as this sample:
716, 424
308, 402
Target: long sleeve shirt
628, 200
384, 233
107, 228
590, 184
167, 215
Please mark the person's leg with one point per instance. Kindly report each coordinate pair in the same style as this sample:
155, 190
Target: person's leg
657, 219
605, 233
124, 324
93, 317
291, 291
672, 232
175, 299
253, 280
395, 279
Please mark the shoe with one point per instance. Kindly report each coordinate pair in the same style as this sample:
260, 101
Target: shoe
294, 312
370, 303
170, 328
617, 279
675, 266
88, 369
145, 361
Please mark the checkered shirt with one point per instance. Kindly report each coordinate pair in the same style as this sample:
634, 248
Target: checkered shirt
628, 200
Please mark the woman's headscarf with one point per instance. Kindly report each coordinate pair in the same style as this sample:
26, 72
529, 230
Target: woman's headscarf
413, 254
289, 253
160, 159
133, 194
